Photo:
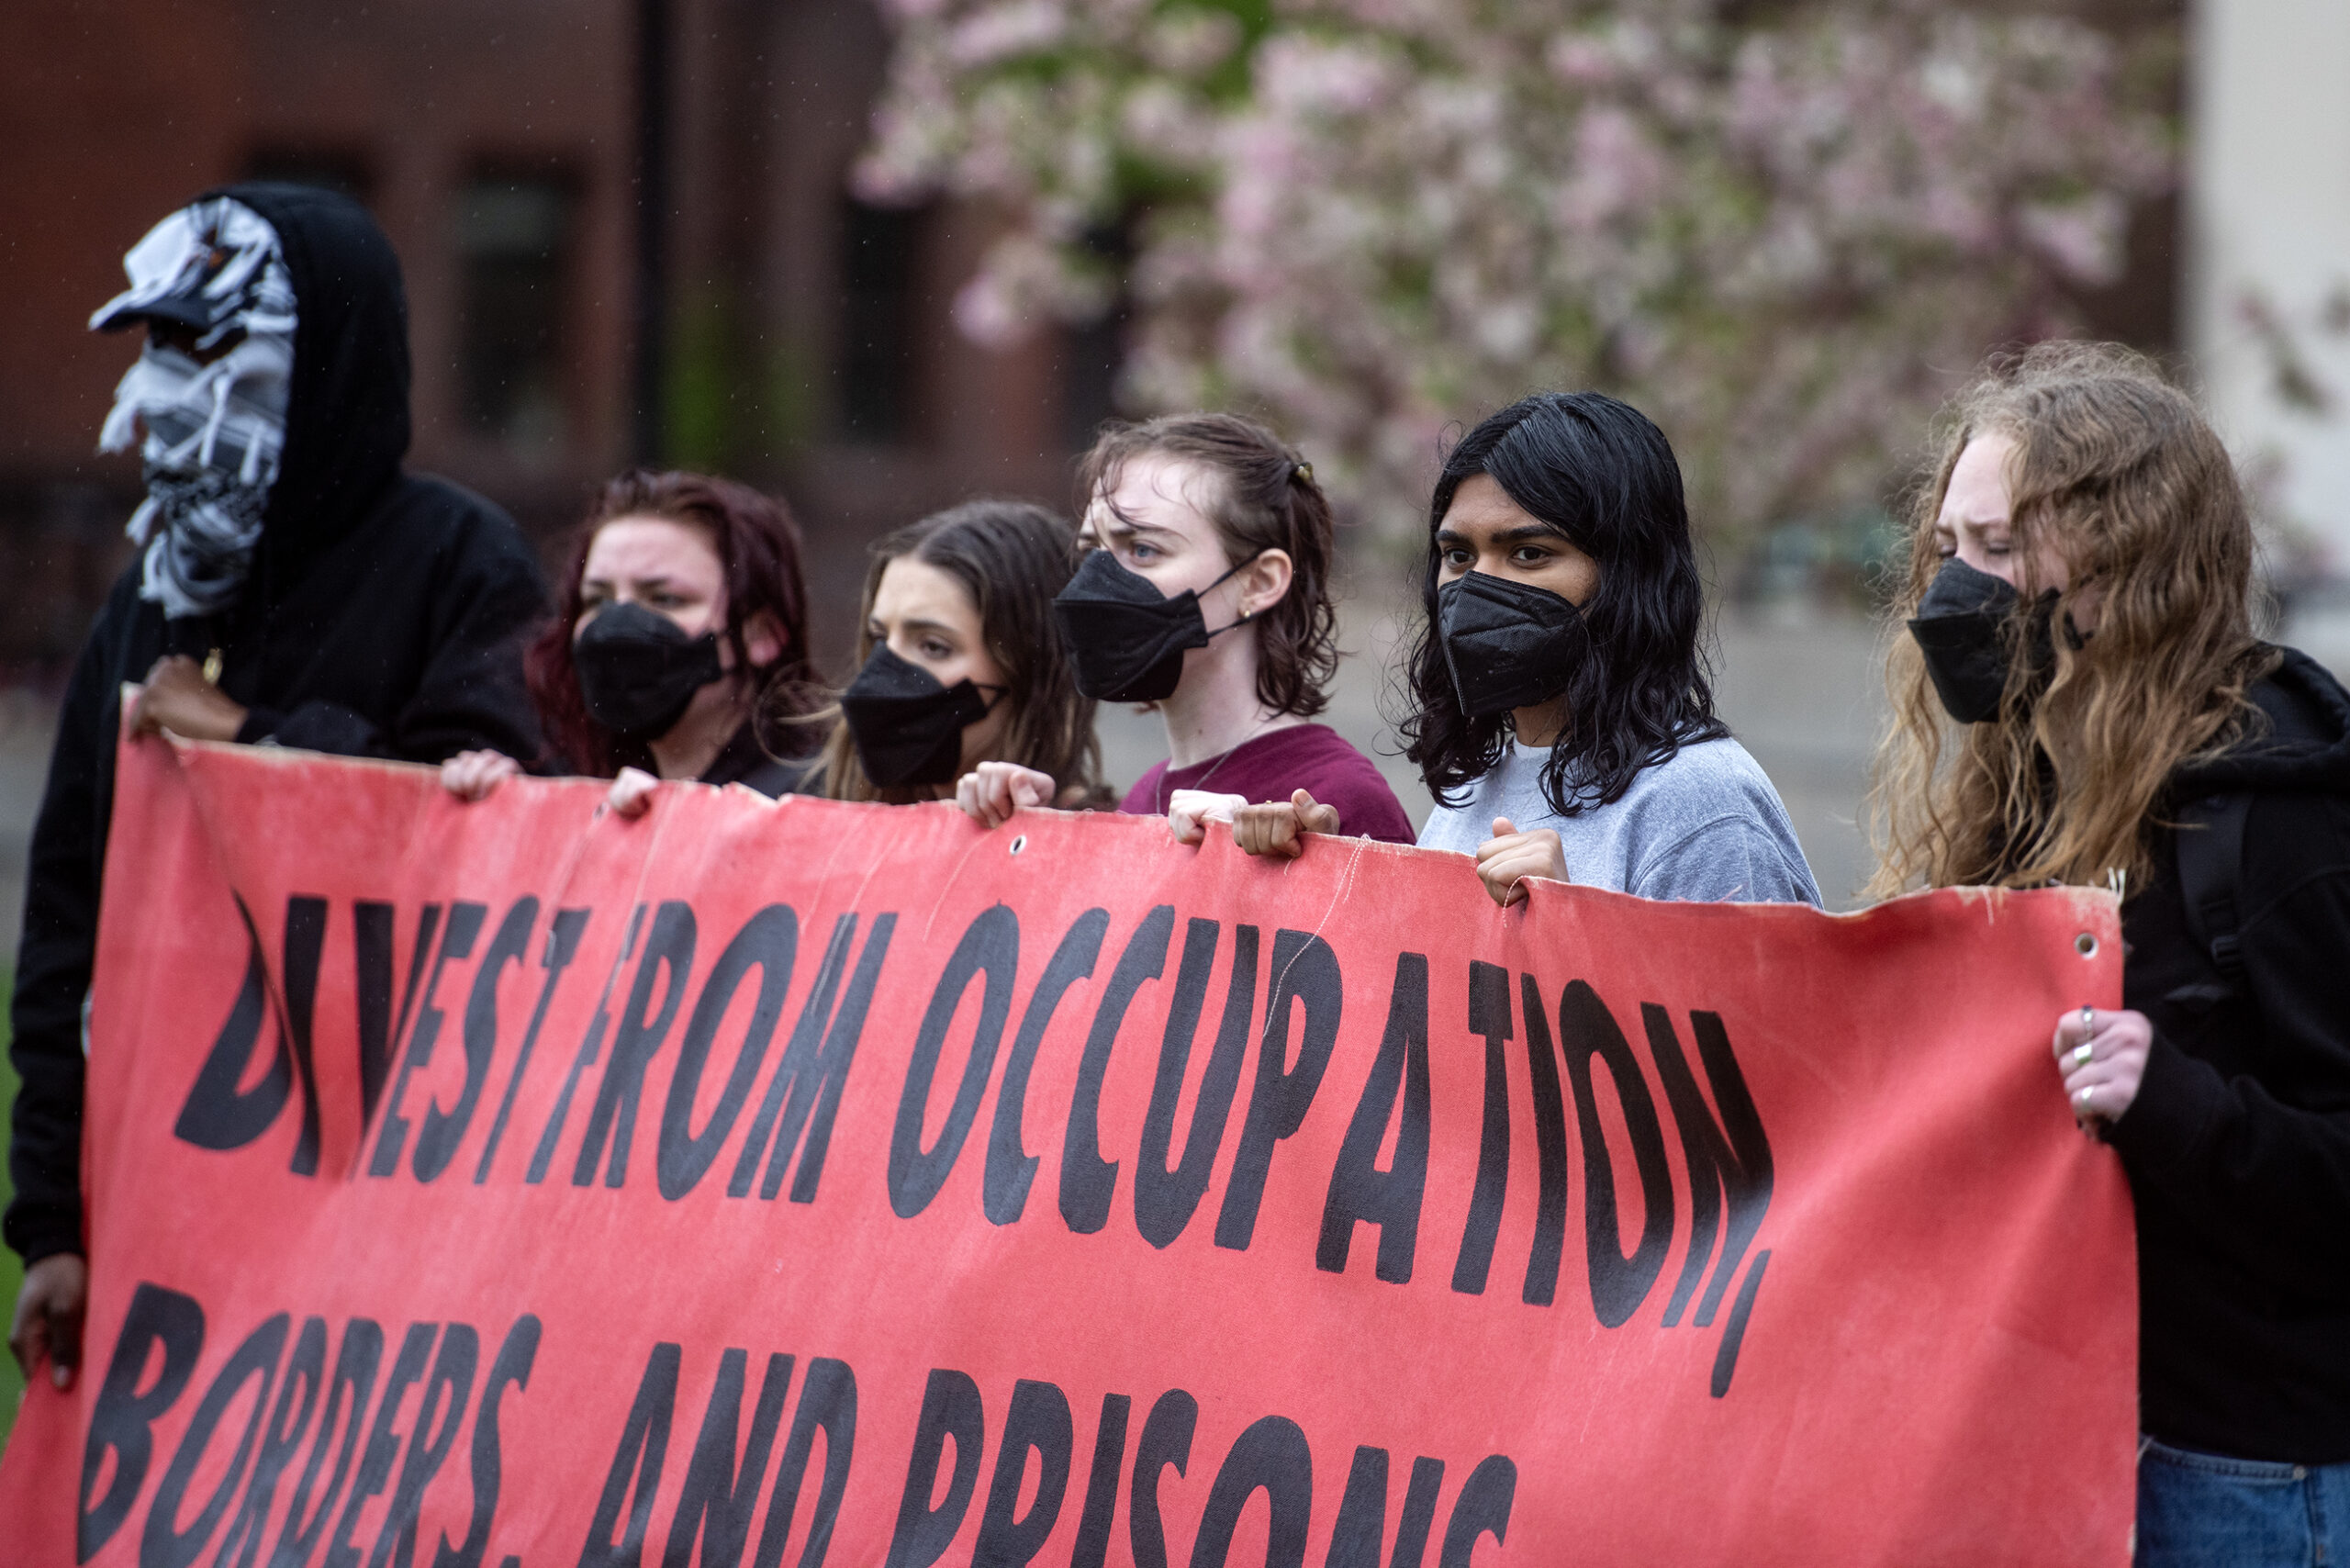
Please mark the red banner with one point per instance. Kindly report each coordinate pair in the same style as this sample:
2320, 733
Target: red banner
799, 1182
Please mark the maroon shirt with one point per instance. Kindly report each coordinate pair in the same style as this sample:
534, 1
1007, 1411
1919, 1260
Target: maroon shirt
1311, 757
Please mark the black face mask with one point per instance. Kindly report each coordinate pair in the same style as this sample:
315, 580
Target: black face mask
1125, 640
638, 670
1510, 644
1958, 629
906, 726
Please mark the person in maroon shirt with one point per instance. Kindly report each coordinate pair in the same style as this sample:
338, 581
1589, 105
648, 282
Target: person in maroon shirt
1201, 524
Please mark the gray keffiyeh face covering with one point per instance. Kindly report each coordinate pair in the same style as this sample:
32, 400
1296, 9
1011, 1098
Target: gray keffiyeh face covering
214, 426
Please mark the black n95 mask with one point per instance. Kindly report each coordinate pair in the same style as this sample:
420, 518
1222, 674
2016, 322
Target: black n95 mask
1126, 641
906, 724
1509, 643
1958, 629
638, 670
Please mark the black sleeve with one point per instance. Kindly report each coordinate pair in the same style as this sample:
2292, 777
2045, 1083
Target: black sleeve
59, 942
470, 694
2265, 1182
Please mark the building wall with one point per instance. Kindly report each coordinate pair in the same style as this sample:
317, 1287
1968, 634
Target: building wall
99, 135
454, 119
2268, 281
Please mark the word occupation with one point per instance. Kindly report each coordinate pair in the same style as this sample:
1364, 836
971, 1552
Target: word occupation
796, 1183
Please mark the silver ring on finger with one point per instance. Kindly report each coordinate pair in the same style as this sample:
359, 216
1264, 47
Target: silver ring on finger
2083, 1097
2083, 1054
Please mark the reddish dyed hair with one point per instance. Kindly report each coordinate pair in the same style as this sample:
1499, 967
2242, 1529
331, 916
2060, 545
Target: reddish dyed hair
758, 555
1264, 498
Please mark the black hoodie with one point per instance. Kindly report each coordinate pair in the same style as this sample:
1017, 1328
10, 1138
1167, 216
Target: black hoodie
382, 617
2238, 1143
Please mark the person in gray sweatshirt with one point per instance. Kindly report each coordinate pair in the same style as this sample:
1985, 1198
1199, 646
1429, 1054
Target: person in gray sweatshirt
1563, 722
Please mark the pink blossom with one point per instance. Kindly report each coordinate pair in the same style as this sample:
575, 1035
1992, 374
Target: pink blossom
985, 312
1581, 60
1305, 76
1007, 31
1616, 169
2082, 237
1189, 42
1780, 239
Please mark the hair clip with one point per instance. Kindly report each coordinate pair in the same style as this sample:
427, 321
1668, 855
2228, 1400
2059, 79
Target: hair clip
1302, 471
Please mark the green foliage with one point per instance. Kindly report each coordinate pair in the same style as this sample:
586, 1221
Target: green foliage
702, 410
728, 405
792, 408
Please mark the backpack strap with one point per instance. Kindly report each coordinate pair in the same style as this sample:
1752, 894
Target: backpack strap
2211, 875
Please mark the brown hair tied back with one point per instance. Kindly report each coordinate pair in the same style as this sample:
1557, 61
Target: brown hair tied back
758, 552
1264, 498
2118, 470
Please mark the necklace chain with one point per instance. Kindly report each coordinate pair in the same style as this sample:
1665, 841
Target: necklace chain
1160, 798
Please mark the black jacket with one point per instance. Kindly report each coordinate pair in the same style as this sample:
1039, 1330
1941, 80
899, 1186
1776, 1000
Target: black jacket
383, 617
2238, 1144
746, 762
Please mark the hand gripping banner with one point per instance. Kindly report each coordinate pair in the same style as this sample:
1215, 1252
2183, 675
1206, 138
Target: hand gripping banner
801, 1183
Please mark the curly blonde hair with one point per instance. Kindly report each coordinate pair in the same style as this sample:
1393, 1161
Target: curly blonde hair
2117, 470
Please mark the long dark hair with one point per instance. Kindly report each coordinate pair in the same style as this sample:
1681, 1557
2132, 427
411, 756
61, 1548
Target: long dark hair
1264, 498
758, 552
1011, 557
1598, 474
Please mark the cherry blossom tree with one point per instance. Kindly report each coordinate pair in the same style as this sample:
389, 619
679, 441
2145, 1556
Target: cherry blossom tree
1372, 219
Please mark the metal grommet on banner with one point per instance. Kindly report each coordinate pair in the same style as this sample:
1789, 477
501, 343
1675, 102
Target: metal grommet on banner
2085, 945
1020, 844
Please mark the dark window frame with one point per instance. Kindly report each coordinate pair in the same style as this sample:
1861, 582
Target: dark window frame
882, 256
515, 233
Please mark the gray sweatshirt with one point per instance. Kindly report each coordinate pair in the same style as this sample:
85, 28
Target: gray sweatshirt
1705, 827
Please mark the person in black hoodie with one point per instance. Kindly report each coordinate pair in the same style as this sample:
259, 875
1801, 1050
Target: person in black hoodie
2078, 601
296, 589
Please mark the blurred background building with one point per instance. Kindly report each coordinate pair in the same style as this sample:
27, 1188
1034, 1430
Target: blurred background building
799, 336
632, 232
2267, 307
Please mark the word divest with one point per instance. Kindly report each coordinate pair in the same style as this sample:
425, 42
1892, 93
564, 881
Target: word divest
795, 1182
